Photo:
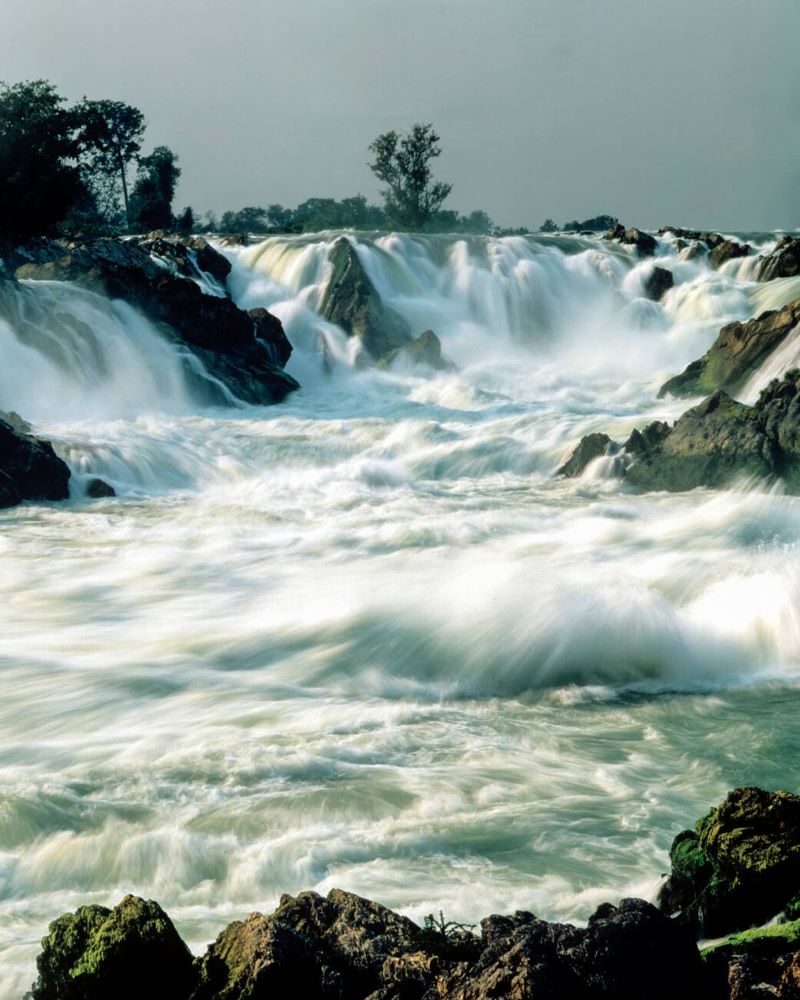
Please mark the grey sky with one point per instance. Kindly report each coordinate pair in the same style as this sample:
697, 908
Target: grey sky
680, 111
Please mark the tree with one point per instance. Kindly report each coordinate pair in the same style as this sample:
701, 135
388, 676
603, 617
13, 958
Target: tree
185, 223
548, 226
151, 198
246, 220
111, 133
39, 176
402, 162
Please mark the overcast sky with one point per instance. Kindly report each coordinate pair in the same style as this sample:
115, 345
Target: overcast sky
658, 111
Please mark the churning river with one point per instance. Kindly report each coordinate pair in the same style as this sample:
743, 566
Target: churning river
365, 638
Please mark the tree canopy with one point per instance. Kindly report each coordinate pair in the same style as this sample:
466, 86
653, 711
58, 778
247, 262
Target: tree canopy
151, 198
111, 134
402, 162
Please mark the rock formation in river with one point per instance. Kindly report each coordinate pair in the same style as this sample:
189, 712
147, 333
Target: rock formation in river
738, 867
782, 262
246, 351
740, 348
29, 468
352, 302
712, 444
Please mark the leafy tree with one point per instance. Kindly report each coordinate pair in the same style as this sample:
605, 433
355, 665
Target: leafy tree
246, 220
596, 224
111, 133
279, 218
39, 175
185, 222
548, 226
477, 222
402, 162
151, 198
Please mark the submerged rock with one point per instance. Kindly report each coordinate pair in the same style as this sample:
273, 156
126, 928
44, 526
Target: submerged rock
738, 351
351, 301
29, 468
591, 446
98, 488
128, 953
425, 351
244, 352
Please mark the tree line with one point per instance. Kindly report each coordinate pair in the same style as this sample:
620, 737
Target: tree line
68, 168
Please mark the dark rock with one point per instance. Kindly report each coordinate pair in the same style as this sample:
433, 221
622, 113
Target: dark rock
644, 242
710, 445
657, 282
127, 953
426, 351
241, 351
591, 446
97, 488
782, 262
736, 353
741, 865
646, 439
351, 301
727, 250
629, 952
189, 257
30, 468
693, 251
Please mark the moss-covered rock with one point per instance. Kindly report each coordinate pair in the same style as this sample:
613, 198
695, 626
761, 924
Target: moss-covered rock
132, 952
740, 867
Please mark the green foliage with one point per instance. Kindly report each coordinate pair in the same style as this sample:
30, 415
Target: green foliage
151, 198
246, 220
448, 938
111, 134
402, 162
39, 175
185, 221
597, 223
548, 226
787, 934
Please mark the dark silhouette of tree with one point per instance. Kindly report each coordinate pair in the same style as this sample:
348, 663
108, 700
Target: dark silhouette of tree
548, 226
111, 134
402, 162
39, 176
252, 219
185, 221
152, 194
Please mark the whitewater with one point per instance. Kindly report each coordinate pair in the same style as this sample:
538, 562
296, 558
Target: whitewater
367, 638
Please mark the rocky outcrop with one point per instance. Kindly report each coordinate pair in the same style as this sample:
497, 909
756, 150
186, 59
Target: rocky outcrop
244, 351
735, 355
719, 248
739, 866
192, 257
782, 262
351, 301
712, 444
128, 953
657, 283
645, 243
29, 468
425, 352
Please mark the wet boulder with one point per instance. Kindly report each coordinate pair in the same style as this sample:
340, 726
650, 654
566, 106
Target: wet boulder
740, 866
738, 351
644, 243
782, 262
130, 952
29, 468
99, 488
245, 353
657, 283
712, 444
727, 250
191, 257
351, 301
591, 446
425, 351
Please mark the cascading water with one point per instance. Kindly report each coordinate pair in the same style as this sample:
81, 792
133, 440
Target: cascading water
364, 638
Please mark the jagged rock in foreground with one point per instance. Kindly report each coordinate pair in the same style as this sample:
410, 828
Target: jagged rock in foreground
132, 952
740, 866
782, 262
29, 468
735, 355
351, 301
712, 444
645, 243
246, 351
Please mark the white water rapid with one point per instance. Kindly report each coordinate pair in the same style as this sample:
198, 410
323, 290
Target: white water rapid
365, 638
